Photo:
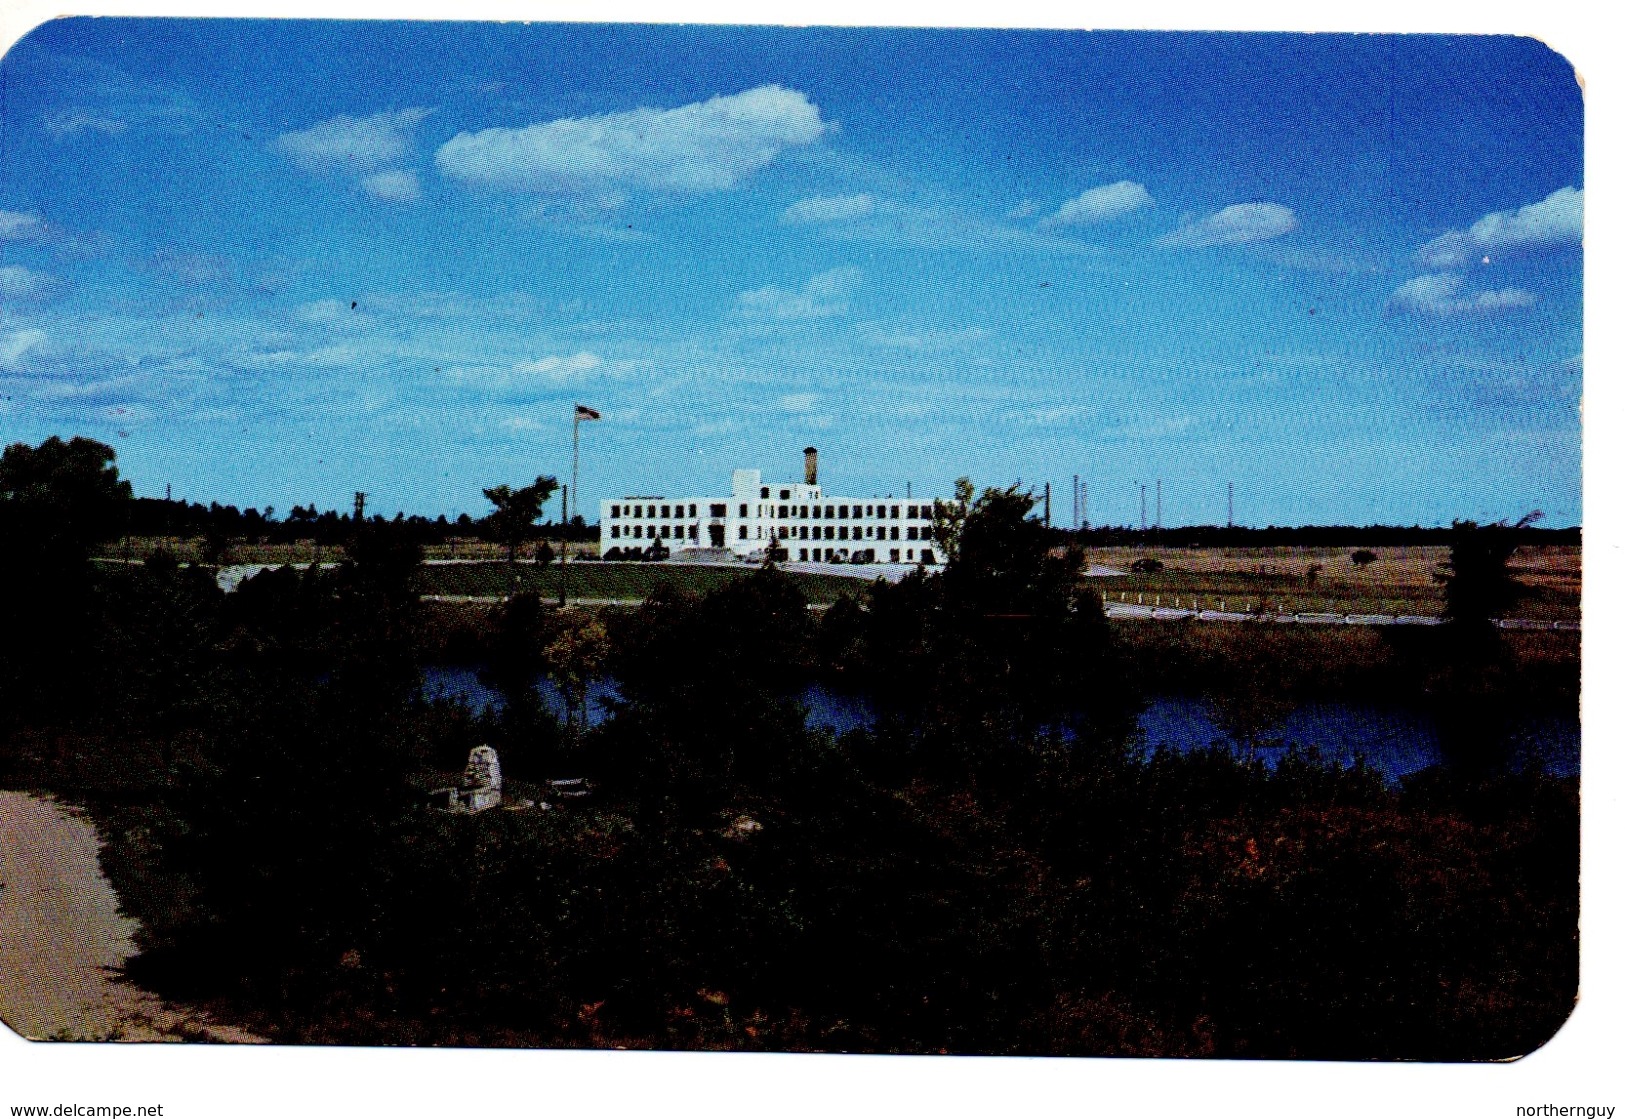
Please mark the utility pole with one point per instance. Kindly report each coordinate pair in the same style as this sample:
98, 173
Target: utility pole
1142, 506
1075, 523
1046, 504
360, 505
1230, 505
1159, 504
1083, 505
564, 567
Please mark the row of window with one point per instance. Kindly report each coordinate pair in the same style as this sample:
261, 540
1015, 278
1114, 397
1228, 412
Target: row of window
785, 512
794, 532
665, 511
662, 532
866, 556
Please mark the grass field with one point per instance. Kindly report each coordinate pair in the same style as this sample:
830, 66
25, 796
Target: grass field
629, 581
1399, 581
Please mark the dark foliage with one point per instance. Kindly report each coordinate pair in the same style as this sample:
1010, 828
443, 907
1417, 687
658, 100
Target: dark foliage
995, 867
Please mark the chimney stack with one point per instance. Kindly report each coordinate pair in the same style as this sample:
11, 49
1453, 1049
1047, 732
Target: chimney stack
812, 465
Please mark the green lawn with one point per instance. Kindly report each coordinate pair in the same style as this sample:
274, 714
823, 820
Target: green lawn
628, 581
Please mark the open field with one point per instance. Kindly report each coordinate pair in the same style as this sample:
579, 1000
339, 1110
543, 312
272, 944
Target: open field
1399, 581
629, 581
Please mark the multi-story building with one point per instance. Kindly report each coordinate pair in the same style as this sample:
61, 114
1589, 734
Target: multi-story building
812, 526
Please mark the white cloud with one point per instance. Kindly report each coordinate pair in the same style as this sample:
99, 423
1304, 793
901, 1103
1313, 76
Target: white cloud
799, 402
707, 145
560, 368
1102, 203
1240, 224
1050, 416
822, 296
818, 211
16, 226
352, 144
1437, 293
14, 345
73, 123
327, 312
17, 281
1558, 219
393, 186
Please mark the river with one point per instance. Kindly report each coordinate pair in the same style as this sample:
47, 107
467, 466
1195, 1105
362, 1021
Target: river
1394, 740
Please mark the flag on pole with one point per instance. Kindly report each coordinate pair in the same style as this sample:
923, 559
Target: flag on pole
585, 413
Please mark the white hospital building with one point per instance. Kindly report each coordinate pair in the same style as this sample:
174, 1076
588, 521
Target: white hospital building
812, 526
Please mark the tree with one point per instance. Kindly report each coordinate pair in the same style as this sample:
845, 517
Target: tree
575, 658
1477, 585
1362, 557
517, 511
58, 500
948, 517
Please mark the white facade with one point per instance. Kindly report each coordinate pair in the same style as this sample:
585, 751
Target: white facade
813, 526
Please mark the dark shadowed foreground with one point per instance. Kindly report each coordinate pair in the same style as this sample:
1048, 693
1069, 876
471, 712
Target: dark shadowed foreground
995, 866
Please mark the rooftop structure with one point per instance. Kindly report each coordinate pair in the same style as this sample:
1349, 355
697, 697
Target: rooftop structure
811, 525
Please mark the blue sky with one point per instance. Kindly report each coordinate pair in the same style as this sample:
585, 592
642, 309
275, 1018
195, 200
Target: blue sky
274, 263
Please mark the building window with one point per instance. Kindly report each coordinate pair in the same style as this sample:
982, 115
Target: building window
784, 511
744, 510
913, 534
843, 512
637, 531
784, 495
894, 532
692, 510
719, 510
615, 510
817, 511
895, 513
818, 554
764, 491
614, 532
804, 555
911, 555
829, 512
843, 532
894, 555
803, 532
742, 533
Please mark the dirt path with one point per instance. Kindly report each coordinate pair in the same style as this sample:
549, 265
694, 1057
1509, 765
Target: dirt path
62, 938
